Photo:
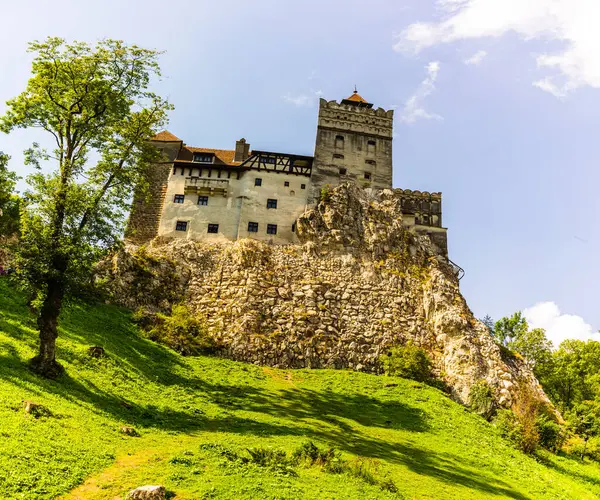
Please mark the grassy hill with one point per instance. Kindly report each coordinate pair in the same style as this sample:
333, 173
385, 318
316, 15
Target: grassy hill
197, 417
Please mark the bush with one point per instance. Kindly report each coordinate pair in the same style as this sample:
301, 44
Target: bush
275, 460
529, 425
325, 194
481, 399
310, 454
509, 427
407, 361
552, 435
182, 331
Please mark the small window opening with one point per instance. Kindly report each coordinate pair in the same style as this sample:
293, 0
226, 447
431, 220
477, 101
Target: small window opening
213, 228
258, 181
179, 198
181, 225
271, 203
343, 171
203, 200
253, 227
286, 183
368, 176
271, 228
302, 186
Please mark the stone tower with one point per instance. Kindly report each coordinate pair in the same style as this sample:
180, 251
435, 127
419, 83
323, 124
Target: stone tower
354, 144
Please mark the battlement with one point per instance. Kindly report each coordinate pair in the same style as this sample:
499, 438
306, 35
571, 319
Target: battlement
334, 105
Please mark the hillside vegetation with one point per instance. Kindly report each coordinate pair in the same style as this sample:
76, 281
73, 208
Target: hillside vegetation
206, 426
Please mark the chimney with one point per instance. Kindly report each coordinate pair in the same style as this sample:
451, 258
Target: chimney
242, 150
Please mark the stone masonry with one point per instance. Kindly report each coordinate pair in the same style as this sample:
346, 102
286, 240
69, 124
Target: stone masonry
357, 284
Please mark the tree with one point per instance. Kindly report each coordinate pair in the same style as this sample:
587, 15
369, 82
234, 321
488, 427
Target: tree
9, 202
534, 347
584, 420
95, 105
508, 329
575, 375
489, 322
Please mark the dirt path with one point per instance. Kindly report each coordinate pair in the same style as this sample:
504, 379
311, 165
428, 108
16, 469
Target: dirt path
108, 483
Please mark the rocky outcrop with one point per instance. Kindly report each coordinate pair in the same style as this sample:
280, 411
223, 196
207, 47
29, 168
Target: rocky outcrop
359, 283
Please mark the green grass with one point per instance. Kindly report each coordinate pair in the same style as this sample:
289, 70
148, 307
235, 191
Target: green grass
197, 417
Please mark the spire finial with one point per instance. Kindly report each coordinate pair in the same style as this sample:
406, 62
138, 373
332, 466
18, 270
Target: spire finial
355, 90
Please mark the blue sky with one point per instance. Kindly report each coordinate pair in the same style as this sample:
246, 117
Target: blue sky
496, 106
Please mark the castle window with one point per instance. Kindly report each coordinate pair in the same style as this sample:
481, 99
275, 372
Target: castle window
203, 200
271, 228
339, 141
338, 156
271, 203
253, 227
179, 198
286, 184
343, 171
370, 146
181, 225
258, 181
370, 162
294, 227
213, 228
203, 158
368, 176
302, 186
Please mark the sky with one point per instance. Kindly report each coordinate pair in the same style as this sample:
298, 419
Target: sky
496, 105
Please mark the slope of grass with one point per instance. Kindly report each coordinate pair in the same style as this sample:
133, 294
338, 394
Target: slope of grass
198, 416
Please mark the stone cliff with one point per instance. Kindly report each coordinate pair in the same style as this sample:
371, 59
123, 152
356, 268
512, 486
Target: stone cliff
358, 284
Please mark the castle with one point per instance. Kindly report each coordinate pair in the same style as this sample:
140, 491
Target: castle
214, 194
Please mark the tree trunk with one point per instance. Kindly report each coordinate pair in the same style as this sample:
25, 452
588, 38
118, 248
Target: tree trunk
45, 362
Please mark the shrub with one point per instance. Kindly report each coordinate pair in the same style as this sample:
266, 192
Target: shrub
182, 331
509, 427
528, 424
310, 454
552, 435
275, 460
325, 194
481, 399
407, 361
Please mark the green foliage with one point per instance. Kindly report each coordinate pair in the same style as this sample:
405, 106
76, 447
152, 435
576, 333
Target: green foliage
489, 323
407, 361
514, 334
310, 454
508, 329
325, 194
182, 331
551, 434
509, 426
481, 399
573, 375
95, 105
198, 415
10, 203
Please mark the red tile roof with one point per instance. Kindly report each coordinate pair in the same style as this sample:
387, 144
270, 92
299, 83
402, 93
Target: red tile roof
166, 136
223, 156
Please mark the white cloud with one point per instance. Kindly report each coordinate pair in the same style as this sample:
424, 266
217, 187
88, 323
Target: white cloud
413, 108
572, 22
476, 58
558, 326
303, 100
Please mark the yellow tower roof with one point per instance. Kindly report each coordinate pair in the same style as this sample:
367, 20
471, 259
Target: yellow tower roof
356, 97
